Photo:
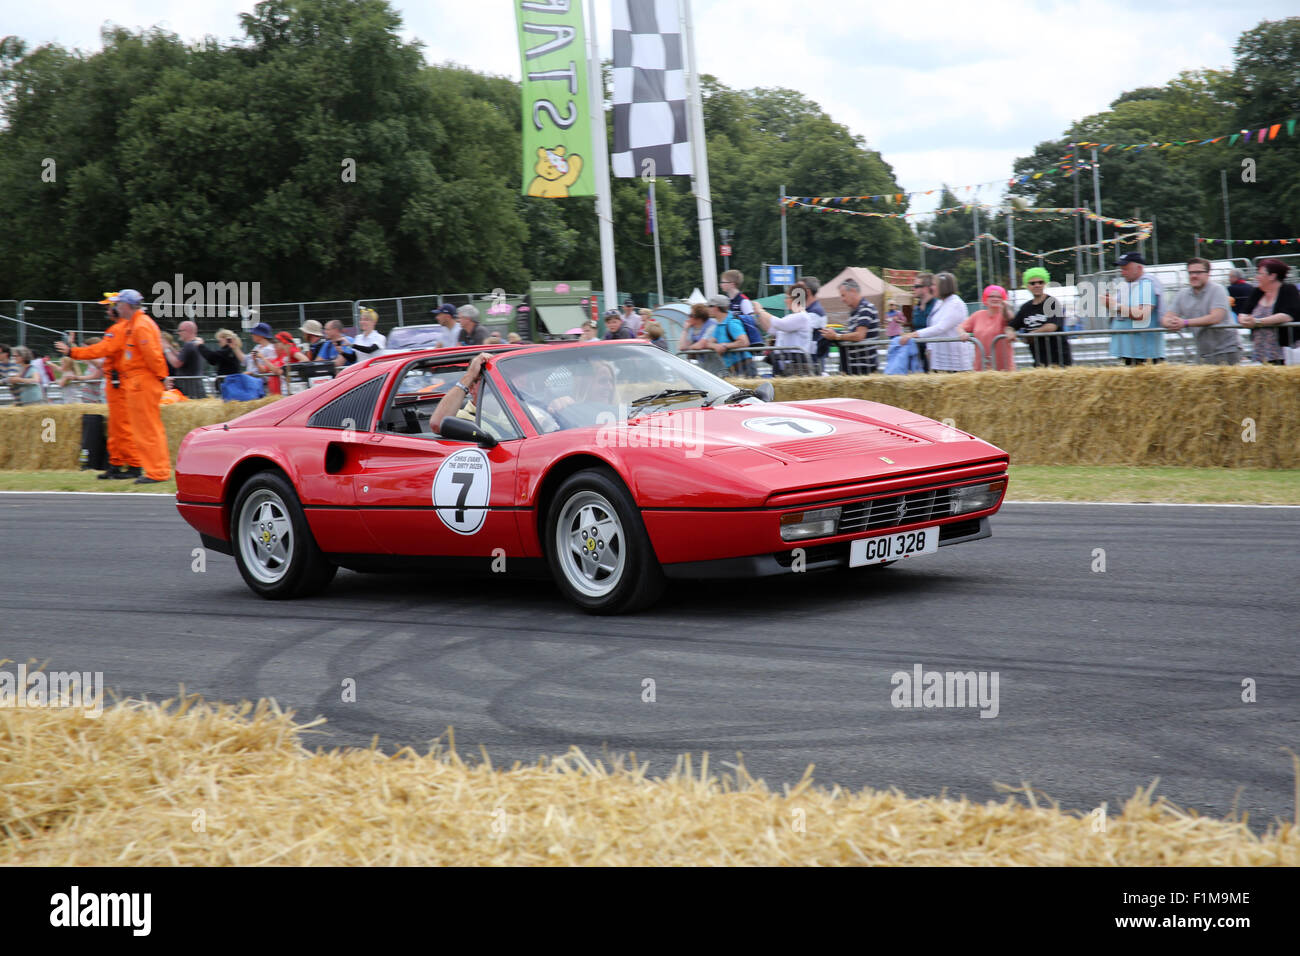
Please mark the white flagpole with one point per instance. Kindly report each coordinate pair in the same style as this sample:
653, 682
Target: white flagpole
699, 156
604, 205
654, 228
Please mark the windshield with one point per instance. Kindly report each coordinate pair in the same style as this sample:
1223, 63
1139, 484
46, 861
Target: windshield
602, 384
416, 336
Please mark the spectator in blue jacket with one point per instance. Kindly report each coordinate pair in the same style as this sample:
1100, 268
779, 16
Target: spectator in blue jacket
336, 347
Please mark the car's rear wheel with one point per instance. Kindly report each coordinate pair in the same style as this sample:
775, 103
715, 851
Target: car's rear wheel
273, 544
598, 548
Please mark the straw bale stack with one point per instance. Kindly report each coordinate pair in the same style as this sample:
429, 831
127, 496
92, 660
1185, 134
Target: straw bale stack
25, 433
190, 783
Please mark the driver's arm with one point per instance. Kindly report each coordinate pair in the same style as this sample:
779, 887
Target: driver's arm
456, 392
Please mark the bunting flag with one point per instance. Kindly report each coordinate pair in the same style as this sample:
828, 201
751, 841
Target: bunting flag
817, 204
1268, 131
1068, 163
1127, 240
1252, 242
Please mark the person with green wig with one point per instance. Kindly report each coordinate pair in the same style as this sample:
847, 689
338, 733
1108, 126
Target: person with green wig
1038, 317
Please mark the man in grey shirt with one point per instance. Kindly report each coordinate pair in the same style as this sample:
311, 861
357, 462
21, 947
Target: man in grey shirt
1204, 307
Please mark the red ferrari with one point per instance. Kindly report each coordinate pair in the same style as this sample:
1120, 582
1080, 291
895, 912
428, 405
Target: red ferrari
612, 464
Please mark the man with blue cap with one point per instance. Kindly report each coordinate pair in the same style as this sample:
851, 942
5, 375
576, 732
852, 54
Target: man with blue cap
144, 368
123, 462
449, 332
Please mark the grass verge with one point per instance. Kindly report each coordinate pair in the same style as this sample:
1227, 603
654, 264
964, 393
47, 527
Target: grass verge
1255, 486
74, 481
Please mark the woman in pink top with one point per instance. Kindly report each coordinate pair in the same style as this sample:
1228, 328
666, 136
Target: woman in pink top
990, 322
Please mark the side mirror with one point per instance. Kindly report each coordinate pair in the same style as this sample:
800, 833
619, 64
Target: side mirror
765, 391
458, 429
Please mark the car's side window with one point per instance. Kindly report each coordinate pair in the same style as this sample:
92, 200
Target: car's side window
422, 388
351, 410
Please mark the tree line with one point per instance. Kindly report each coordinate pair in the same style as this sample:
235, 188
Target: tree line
319, 155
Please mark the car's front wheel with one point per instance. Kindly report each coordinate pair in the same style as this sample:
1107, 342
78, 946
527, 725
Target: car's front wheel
273, 544
598, 548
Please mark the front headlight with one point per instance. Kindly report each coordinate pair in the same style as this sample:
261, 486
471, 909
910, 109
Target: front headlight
809, 524
968, 498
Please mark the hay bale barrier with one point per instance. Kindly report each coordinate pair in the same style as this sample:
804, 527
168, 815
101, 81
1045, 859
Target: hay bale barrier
1188, 415
191, 783
48, 437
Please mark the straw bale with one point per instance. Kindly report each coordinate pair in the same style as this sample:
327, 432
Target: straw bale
23, 430
125, 789
1188, 415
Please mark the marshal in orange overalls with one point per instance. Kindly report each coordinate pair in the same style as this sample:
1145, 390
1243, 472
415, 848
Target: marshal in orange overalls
143, 369
121, 443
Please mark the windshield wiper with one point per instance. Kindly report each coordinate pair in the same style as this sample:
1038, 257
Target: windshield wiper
666, 394
735, 396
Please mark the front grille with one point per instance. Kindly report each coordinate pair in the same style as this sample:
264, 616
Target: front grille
881, 513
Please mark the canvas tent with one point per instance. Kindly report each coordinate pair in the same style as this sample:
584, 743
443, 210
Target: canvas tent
879, 292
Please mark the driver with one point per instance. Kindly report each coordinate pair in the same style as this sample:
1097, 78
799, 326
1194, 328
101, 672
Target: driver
594, 400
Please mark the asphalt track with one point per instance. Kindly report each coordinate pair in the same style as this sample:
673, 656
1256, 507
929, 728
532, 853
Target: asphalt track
1107, 680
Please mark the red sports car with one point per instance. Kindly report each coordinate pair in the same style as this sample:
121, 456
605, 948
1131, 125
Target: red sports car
613, 464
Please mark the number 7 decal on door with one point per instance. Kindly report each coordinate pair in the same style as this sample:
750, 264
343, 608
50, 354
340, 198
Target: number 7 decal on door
461, 490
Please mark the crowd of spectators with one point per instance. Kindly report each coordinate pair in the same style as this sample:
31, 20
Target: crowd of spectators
730, 332
939, 335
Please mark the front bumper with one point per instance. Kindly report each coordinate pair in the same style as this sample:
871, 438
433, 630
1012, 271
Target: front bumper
817, 557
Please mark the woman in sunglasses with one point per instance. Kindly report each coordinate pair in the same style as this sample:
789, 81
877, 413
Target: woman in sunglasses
1040, 316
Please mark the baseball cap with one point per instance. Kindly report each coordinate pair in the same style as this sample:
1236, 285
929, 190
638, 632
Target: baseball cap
284, 337
261, 329
109, 298
129, 296
1132, 257
628, 301
311, 327
448, 309
719, 302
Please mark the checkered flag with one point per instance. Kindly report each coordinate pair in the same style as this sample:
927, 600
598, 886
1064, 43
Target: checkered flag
649, 90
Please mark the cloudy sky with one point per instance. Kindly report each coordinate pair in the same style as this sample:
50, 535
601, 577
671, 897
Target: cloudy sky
948, 91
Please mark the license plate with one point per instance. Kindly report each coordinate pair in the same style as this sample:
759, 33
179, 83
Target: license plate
891, 547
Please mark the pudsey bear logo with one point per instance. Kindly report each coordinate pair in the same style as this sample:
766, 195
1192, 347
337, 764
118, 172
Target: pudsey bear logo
556, 172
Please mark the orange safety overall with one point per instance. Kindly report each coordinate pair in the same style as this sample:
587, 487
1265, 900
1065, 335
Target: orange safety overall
144, 367
121, 443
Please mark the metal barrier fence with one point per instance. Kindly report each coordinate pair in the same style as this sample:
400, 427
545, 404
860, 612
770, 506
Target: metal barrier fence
1093, 348
787, 362
497, 309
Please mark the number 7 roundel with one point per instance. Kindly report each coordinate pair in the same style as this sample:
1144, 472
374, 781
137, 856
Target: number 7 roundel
461, 490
